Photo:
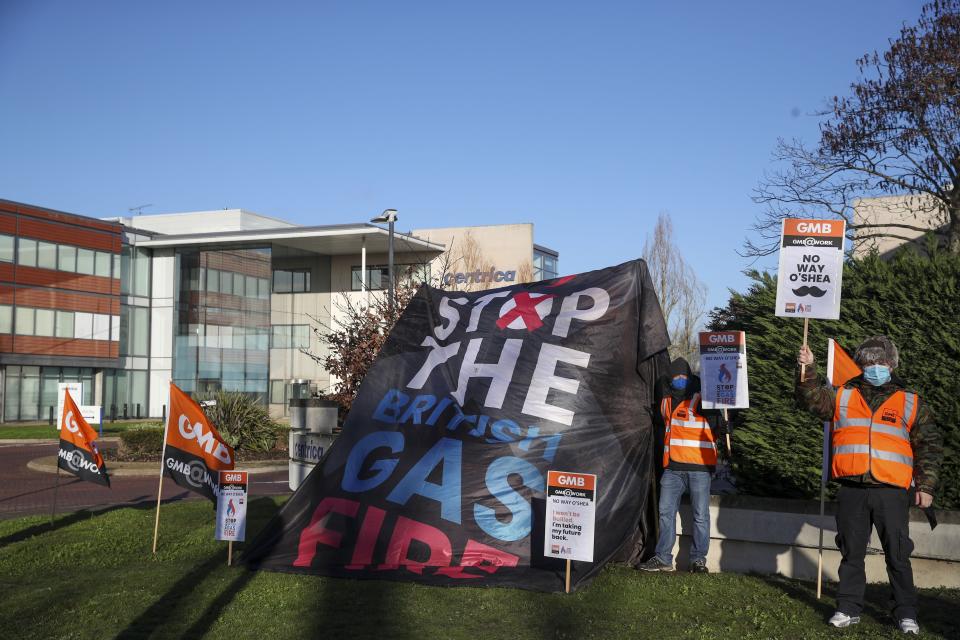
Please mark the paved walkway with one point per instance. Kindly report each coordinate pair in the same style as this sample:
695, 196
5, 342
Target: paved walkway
26, 492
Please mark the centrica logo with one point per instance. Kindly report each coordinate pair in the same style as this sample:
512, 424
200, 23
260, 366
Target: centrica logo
475, 277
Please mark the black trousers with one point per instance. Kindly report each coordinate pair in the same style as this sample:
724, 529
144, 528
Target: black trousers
859, 509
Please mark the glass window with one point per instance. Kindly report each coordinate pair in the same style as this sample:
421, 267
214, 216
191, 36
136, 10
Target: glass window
30, 393
6, 248
238, 284
377, 276
66, 258
126, 264
285, 336
141, 279
64, 324
83, 325
46, 255
101, 326
277, 388
291, 280
85, 261
226, 282
102, 267
213, 280
24, 321
44, 322
263, 288
141, 331
251, 287
116, 265
6, 318
11, 394
28, 252
282, 281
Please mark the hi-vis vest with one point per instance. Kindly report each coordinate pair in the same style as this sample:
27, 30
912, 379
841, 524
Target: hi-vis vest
864, 441
688, 437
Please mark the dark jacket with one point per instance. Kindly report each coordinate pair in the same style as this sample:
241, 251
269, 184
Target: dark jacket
714, 417
925, 439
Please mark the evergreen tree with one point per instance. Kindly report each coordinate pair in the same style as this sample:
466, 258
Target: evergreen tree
911, 298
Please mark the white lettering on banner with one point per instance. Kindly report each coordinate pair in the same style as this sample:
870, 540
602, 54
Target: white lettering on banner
450, 314
576, 481
718, 338
478, 306
586, 306
570, 312
204, 440
500, 372
77, 462
545, 378
814, 227
72, 425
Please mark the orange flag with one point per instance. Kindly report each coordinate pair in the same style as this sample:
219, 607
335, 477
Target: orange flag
840, 366
193, 450
78, 452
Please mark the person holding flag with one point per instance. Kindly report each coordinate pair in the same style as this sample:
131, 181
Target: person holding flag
885, 451
193, 451
78, 453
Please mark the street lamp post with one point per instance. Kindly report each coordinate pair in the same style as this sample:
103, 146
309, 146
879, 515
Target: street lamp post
389, 216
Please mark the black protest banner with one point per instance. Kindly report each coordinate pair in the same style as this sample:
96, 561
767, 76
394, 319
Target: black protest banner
439, 474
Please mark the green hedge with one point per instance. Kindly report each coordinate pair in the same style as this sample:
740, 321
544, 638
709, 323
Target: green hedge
914, 299
142, 443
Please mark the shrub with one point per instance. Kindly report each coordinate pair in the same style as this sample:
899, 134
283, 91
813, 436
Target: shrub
141, 443
243, 423
914, 299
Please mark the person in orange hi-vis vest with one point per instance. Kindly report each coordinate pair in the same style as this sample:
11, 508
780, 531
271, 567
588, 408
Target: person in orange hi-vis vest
885, 451
690, 437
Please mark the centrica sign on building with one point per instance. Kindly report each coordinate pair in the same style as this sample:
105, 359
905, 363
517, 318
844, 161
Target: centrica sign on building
479, 277
811, 269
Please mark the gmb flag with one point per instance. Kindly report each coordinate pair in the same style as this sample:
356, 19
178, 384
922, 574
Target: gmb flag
439, 473
193, 451
78, 452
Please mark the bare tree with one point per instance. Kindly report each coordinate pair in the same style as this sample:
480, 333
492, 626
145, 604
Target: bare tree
682, 296
897, 134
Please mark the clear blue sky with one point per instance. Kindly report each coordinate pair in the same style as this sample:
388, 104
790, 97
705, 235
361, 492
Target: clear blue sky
587, 119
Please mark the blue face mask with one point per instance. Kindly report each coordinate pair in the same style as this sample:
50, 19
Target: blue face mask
679, 383
877, 374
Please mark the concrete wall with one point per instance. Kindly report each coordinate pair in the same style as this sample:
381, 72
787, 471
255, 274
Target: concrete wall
766, 535
162, 327
918, 211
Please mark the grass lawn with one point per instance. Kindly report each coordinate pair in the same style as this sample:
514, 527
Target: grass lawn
44, 431
93, 577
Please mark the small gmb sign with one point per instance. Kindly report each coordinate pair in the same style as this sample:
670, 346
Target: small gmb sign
571, 502
232, 506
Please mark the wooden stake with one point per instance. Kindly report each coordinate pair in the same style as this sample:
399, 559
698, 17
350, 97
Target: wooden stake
56, 486
823, 497
806, 327
727, 420
568, 576
229, 552
163, 454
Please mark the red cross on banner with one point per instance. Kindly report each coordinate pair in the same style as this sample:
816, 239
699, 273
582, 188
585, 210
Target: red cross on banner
527, 313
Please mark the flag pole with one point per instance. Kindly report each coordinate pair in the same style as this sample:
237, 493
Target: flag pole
56, 486
229, 552
823, 497
163, 454
727, 420
806, 327
568, 576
